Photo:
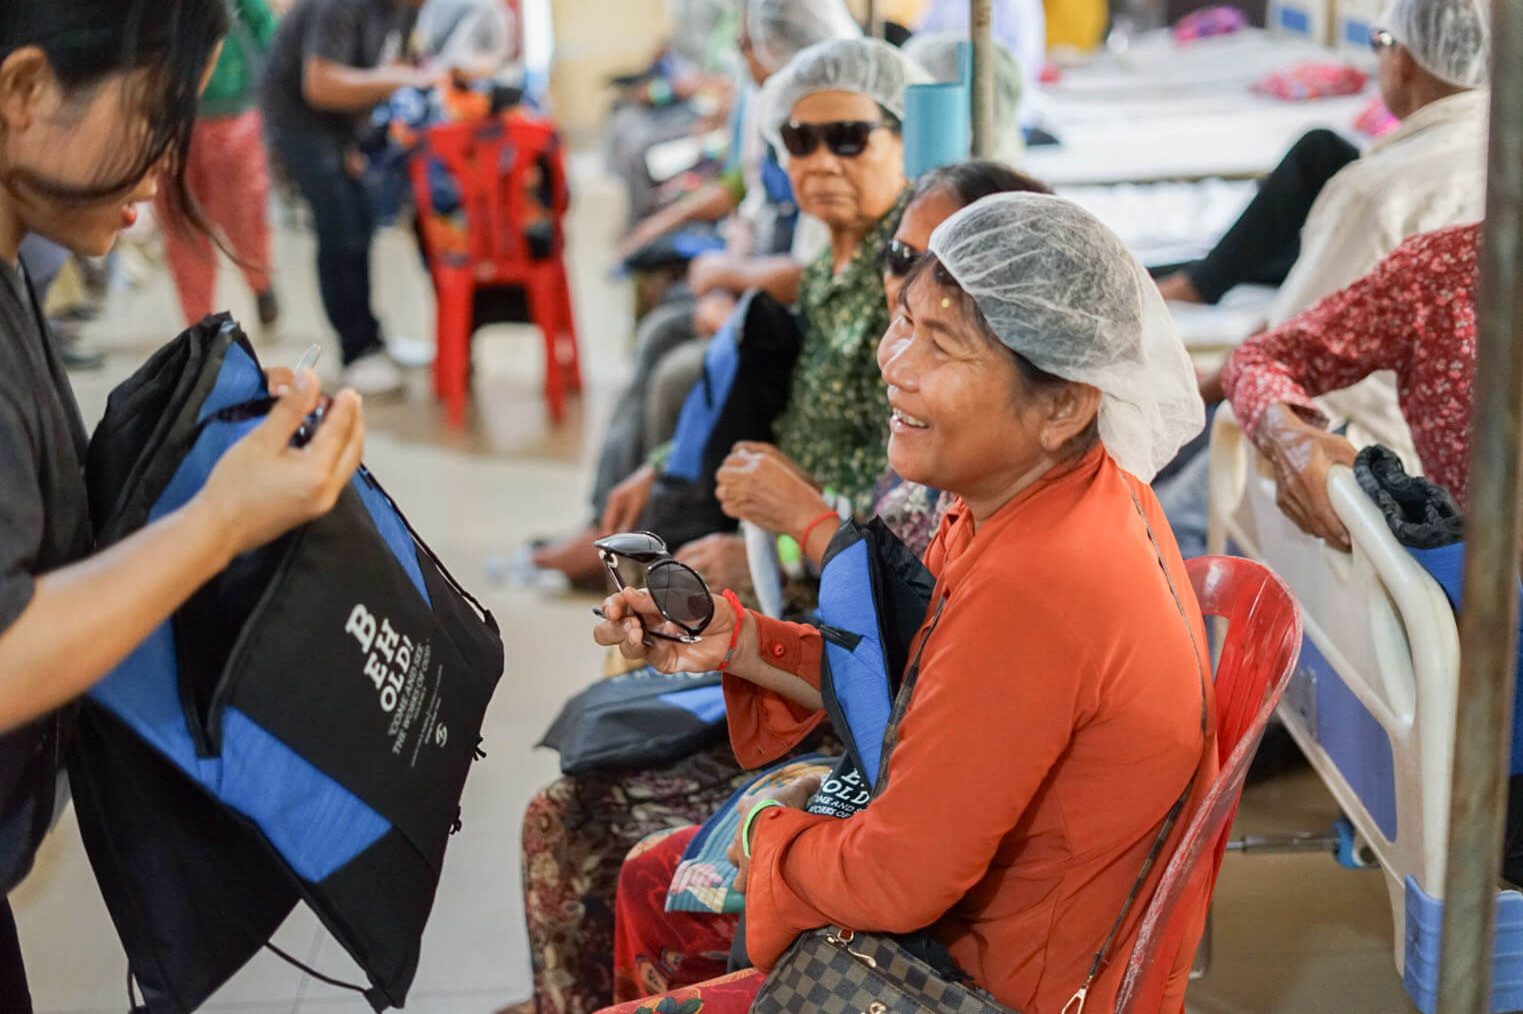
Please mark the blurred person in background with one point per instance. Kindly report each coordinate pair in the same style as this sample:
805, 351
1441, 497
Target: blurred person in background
332, 61
768, 245
228, 176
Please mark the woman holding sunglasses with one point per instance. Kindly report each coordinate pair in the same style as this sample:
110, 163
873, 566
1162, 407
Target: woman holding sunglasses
97, 97
1059, 717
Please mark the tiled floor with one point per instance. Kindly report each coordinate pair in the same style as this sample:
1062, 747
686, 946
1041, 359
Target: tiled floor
1292, 933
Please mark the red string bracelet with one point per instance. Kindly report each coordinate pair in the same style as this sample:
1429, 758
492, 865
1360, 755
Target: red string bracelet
740, 622
817, 522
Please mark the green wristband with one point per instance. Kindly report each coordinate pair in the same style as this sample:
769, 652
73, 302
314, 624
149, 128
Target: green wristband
745, 828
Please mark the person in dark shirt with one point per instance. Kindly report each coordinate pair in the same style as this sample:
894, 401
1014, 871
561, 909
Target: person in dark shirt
333, 61
95, 97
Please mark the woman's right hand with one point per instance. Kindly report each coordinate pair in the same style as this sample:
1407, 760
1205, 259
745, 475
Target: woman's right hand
263, 487
629, 613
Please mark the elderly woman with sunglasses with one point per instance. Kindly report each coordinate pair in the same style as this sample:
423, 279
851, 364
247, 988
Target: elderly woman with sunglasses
1061, 710
835, 110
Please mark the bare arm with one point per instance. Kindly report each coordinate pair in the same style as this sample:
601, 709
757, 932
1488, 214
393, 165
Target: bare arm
85, 618
778, 276
708, 203
336, 88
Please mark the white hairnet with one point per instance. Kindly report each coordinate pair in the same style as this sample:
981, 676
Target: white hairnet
781, 29
868, 67
1450, 39
1062, 290
937, 53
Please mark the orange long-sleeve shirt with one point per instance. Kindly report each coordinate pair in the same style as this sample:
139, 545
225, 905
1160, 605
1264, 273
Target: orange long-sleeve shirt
1063, 706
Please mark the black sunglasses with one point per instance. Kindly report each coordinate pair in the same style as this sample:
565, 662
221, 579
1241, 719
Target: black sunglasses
844, 138
899, 258
640, 560
1380, 39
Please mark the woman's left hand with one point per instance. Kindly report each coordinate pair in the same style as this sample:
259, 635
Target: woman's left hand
795, 796
721, 559
759, 484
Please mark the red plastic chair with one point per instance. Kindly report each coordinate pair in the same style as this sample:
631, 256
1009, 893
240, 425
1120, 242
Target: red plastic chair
495, 165
1258, 656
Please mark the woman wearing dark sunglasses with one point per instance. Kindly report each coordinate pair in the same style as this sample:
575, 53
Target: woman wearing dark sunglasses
1060, 714
834, 110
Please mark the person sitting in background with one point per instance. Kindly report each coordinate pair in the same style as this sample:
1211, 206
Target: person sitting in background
836, 109
939, 55
686, 90
768, 244
1327, 215
1059, 700
772, 32
228, 177
1427, 174
331, 62
1415, 315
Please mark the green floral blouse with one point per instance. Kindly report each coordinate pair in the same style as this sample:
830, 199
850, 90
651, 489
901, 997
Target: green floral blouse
836, 423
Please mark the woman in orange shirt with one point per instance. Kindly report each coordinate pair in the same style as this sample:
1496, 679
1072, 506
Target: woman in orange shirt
1064, 702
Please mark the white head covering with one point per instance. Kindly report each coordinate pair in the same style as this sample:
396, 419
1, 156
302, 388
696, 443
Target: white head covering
1059, 288
1450, 39
868, 67
781, 29
937, 53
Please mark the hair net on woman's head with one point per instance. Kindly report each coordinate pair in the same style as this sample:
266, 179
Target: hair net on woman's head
937, 53
868, 67
781, 29
1062, 290
1450, 39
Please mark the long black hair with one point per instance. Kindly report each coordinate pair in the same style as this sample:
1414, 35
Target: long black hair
162, 47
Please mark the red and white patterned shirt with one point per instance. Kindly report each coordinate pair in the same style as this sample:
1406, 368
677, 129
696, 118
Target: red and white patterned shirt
1414, 314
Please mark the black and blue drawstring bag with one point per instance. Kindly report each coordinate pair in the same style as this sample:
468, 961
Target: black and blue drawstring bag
747, 377
300, 730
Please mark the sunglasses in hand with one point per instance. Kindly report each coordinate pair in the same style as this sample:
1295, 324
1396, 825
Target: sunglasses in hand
640, 560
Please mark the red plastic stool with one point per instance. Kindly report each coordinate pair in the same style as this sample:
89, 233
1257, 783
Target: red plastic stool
486, 242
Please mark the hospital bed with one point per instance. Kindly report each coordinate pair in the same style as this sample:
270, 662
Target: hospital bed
1373, 704
1164, 112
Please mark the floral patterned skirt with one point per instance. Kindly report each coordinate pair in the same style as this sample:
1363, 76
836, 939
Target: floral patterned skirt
575, 837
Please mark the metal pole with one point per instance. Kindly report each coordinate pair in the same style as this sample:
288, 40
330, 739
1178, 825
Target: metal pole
874, 19
985, 132
1488, 622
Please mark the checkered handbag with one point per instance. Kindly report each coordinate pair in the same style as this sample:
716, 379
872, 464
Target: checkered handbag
835, 971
